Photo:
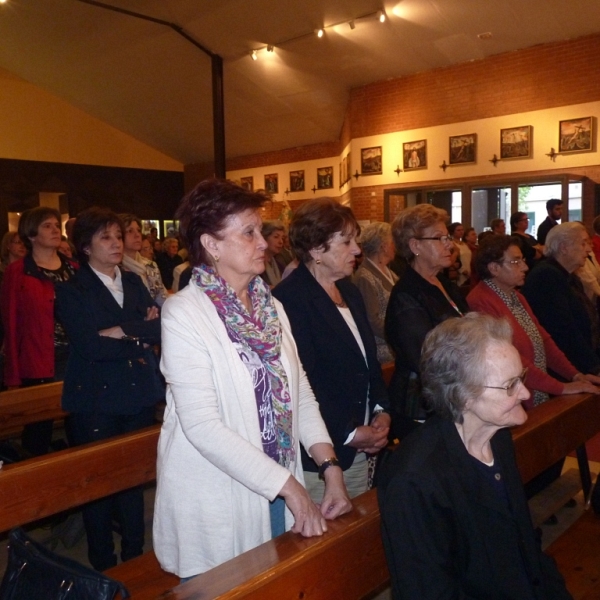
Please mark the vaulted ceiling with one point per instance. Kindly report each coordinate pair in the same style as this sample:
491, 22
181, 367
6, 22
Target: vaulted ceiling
149, 81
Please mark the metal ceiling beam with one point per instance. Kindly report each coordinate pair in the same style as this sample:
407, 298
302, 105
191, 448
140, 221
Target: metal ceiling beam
216, 62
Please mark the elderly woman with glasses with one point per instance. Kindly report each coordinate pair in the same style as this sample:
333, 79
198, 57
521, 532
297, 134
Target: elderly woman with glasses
420, 300
501, 268
455, 520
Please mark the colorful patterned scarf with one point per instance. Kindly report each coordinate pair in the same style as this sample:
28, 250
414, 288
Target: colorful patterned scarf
533, 333
258, 333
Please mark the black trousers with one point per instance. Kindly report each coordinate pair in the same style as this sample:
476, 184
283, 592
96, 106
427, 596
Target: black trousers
126, 507
36, 437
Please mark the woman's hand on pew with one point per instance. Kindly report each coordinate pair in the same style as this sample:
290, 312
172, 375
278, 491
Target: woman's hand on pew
308, 520
588, 377
580, 386
335, 499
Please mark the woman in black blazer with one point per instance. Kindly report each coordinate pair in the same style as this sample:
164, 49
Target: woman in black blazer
335, 342
112, 382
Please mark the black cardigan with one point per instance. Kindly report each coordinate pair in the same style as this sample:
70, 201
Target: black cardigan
558, 301
447, 533
415, 308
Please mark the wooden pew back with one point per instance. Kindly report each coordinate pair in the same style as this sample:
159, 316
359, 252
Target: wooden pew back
46, 485
349, 561
29, 405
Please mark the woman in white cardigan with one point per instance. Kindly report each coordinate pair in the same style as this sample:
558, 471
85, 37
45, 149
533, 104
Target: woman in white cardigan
238, 401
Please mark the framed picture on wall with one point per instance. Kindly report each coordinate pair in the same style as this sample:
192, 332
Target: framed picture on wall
171, 229
345, 169
247, 183
296, 181
463, 149
414, 155
515, 142
348, 167
576, 135
325, 178
149, 224
272, 183
371, 161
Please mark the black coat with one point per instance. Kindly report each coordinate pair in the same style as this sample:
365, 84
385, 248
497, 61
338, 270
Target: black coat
559, 302
449, 534
415, 308
107, 375
340, 378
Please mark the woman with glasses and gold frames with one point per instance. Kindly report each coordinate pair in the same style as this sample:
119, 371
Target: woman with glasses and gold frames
420, 300
501, 267
455, 520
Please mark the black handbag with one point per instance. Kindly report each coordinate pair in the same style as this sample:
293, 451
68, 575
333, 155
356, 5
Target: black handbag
35, 573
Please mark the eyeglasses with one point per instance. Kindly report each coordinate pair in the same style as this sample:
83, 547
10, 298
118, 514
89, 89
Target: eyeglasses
516, 261
441, 238
513, 384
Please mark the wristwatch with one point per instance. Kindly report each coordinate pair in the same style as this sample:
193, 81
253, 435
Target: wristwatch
328, 462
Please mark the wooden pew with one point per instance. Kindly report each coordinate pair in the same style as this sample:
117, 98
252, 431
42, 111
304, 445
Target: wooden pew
29, 405
553, 430
43, 486
348, 562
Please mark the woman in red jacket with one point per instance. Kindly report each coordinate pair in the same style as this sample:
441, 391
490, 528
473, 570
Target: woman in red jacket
35, 344
501, 267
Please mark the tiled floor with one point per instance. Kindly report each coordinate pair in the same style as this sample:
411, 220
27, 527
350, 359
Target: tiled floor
540, 507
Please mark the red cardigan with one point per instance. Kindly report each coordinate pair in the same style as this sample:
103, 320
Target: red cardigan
27, 308
483, 299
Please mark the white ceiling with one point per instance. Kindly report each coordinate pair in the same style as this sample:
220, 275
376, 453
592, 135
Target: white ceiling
148, 81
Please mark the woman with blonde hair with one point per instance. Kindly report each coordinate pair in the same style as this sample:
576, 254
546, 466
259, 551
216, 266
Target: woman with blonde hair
422, 299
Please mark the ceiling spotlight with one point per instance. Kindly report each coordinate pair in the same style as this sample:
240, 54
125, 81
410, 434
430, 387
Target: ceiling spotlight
352, 25
2, 1
381, 16
254, 55
319, 33
270, 48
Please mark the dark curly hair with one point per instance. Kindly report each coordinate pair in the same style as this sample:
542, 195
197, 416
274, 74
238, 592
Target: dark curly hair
316, 222
492, 249
206, 209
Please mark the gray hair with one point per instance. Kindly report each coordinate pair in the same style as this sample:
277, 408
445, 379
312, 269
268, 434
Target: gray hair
565, 233
452, 358
373, 236
268, 227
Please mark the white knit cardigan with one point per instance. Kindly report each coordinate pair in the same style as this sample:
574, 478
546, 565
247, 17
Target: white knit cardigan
214, 481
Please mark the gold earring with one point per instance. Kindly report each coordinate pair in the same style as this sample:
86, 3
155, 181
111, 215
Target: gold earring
318, 261
216, 258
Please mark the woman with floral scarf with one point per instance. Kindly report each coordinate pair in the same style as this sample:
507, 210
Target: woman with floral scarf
238, 401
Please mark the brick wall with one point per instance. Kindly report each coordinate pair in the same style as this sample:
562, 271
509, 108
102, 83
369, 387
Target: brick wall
543, 76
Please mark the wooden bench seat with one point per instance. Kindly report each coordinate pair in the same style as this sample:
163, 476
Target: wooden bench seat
348, 562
